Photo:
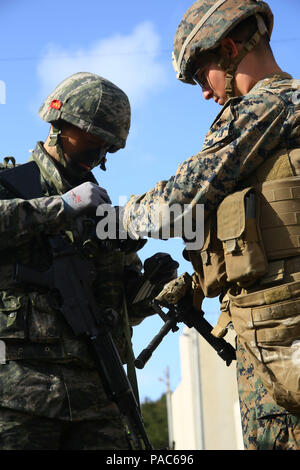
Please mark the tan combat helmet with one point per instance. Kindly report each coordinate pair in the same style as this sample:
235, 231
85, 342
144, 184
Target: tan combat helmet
93, 104
206, 23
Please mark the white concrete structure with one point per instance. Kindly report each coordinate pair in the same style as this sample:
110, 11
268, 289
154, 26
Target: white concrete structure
205, 407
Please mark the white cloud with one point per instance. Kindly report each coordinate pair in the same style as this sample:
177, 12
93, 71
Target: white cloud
130, 61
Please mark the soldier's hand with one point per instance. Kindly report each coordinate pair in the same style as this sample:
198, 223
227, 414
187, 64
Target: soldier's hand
160, 268
85, 198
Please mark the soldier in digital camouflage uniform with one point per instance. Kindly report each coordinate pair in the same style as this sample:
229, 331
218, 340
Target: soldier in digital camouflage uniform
253, 143
51, 396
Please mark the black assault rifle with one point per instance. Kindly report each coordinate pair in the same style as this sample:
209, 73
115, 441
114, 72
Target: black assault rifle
176, 297
71, 274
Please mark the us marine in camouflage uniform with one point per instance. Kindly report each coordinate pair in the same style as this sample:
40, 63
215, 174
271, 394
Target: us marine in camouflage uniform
51, 396
247, 177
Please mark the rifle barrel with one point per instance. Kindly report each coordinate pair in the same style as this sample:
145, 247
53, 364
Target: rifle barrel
145, 355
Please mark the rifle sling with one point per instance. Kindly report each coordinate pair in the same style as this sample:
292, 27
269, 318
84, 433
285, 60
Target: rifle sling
131, 371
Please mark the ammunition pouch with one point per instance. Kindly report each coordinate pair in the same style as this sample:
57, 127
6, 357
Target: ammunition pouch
28, 316
238, 230
256, 230
33, 329
208, 263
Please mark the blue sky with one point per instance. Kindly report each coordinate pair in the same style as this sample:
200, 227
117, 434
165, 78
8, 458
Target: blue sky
129, 43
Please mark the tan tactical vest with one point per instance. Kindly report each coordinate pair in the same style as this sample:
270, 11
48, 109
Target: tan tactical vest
254, 251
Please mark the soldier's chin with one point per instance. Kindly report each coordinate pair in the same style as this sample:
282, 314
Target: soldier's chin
221, 101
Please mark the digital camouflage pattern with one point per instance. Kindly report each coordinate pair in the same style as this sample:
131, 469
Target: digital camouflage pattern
265, 425
50, 374
35, 433
247, 131
53, 406
190, 39
20, 216
93, 104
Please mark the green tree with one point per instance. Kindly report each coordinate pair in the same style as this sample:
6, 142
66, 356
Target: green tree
156, 421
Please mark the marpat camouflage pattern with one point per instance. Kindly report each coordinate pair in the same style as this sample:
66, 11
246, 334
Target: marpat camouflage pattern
248, 130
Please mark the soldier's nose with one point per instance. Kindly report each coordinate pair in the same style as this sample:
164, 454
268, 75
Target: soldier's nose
207, 94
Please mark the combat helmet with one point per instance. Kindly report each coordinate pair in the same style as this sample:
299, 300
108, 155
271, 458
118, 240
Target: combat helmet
206, 23
93, 104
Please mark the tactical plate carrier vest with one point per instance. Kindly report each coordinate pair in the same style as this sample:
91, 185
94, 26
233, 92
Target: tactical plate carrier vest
251, 255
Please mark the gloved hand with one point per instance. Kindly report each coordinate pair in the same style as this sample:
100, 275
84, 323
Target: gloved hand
158, 270
85, 198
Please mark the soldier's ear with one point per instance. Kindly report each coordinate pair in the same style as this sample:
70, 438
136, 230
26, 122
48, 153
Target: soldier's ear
229, 48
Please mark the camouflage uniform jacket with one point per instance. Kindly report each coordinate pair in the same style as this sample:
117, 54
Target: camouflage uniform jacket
65, 384
247, 131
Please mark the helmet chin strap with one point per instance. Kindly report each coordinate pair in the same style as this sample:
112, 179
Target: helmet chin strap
230, 65
102, 164
55, 141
